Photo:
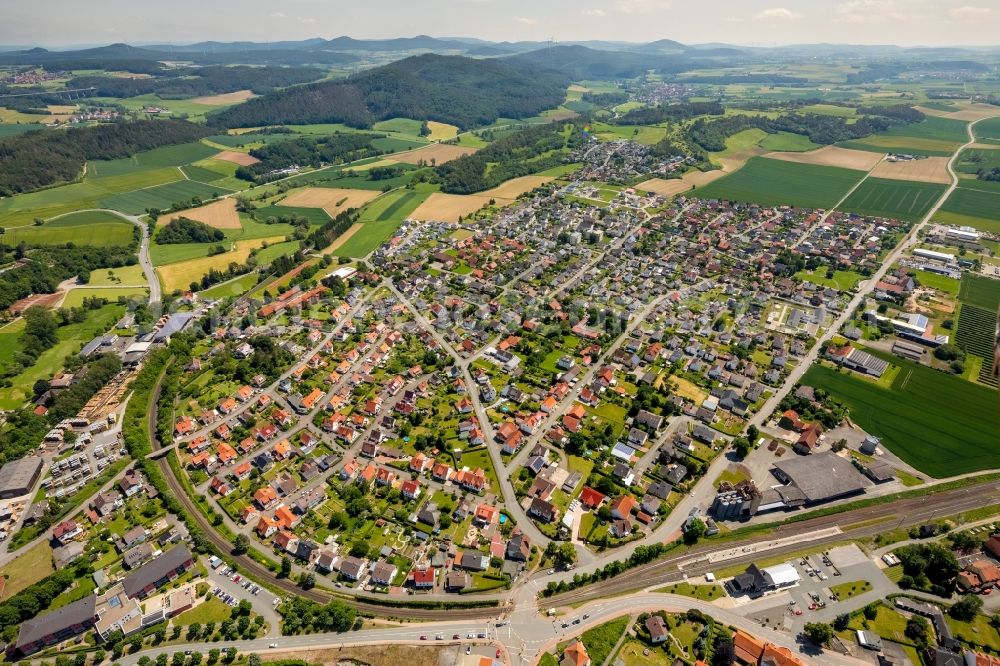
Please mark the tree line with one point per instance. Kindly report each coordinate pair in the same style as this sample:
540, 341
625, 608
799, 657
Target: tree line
517, 154
652, 115
186, 230
39, 159
308, 151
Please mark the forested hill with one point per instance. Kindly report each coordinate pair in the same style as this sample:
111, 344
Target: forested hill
452, 89
39, 159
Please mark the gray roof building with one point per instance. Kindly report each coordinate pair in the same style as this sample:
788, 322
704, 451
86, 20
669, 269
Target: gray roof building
821, 477
18, 477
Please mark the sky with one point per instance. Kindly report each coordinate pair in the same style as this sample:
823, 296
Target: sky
746, 22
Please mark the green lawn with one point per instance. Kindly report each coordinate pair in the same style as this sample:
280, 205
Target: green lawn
75, 297
601, 640
942, 283
211, 610
938, 423
71, 339
841, 280
898, 199
888, 623
775, 182
113, 277
235, 287
851, 589
703, 592
26, 569
979, 632
10, 334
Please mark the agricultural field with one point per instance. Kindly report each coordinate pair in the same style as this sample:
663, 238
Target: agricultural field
224, 99
379, 220
314, 215
927, 170
971, 160
932, 136
899, 199
831, 156
980, 291
776, 182
786, 141
180, 274
440, 153
97, 228
161, 196
988, 131
442, 207
940, 424
974, 208
331, 200
236, 157
75, 297
126, 276
219, 214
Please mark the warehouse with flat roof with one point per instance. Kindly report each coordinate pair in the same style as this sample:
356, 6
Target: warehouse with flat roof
18, 477
821, 477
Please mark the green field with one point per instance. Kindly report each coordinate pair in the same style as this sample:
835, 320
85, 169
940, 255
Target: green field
841, 280
167, 156
980, 291
938, 423
271, 252
96, 228
988, 130
314, 215
898, 199
789, 142
117, 277
942, 283
381, 218
234, 287
932, 136
775, 182
161, 197
74, 298
973, 208
971, 160
71, 339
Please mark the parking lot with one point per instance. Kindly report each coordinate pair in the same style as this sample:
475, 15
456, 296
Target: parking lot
230, 587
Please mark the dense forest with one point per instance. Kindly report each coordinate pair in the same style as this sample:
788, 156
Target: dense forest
185, 230
517, 154
711, 134
38, 159
580, 63
308, 151
195, 82
45, 268
651, 115
450, 89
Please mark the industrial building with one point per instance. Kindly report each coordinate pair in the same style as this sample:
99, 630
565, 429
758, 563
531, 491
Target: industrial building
18, 477
912, 326
817, 478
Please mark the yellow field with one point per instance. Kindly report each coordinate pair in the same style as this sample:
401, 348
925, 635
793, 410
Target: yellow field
332, 200
967, 111
441, 207
226, 98
373, 165
343, 238
181, 274
220, 214
437, 153
236, 157
669, 187
10, 116
441, 131
686, 389
833, 156
927, 170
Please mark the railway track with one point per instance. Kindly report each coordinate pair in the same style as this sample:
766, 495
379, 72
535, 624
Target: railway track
910, 512
262, 573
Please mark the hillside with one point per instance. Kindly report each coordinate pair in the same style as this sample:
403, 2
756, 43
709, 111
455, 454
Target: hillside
581, 62
450, 89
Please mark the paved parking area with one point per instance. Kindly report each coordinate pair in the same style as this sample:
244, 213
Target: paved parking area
263, 602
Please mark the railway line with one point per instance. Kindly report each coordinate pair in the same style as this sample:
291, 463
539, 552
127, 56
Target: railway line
256, 570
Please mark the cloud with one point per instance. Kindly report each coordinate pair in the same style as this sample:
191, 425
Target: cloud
782, 13
642, 6
871, 11
733, 19
277, 15
970, 12
594, 12
524, 20
308, 20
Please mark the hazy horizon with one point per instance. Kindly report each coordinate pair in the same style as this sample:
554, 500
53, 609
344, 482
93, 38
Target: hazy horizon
62, 23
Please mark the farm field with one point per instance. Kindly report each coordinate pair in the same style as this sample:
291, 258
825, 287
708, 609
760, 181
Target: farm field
379, 220
220, 214
971, 160
443, 207
440, 153
314, 215
831, 156
161, 196
234, 287
938, 423
975, 208
980, 291
95, 228
331, 200
776, 182
786, 141
932, 136
927, 170
441, 131
903, 200
113, 277
988, 131
74, 297
223, 99
236, 157
71, 339
644, 134
180, 274
167, 156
